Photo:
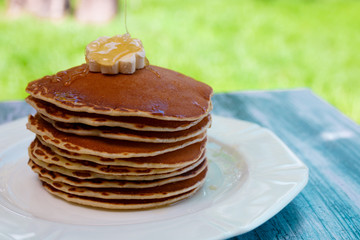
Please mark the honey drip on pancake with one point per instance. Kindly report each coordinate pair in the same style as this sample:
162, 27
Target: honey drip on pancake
78, 73
148, 67
68, 77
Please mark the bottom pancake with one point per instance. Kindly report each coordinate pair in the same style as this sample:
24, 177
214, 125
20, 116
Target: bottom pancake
164, 191
116, 204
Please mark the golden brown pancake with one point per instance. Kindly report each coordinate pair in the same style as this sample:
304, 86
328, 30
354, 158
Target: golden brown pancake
81, 174
132, 135
105, 183
47, 155
175, 159
119, 204
136, 123
103, 147
152, 92
163, 191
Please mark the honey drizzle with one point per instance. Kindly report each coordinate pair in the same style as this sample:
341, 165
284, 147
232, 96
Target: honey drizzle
148, 67
69, 77
125, 16
79, 73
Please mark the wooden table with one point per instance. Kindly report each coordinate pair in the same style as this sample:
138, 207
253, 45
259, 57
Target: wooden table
322, 137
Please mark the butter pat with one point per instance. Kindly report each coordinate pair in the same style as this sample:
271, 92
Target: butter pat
114, 55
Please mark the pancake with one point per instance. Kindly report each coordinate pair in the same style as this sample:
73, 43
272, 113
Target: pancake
103, 147
132, 135
80, 174
104, 183
46, 155
163, 191
136, 123
151, 92
123, 204
175, 159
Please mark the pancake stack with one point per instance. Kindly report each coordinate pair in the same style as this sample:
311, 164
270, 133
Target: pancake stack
119, 141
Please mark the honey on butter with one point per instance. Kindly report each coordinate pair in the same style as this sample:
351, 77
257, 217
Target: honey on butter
114, 55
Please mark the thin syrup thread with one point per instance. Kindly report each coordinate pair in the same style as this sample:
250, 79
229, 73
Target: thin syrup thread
125, 16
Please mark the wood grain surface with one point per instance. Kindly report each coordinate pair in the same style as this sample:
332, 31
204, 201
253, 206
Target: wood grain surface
322, 137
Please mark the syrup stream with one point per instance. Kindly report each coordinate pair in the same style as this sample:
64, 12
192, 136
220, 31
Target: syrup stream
125, 17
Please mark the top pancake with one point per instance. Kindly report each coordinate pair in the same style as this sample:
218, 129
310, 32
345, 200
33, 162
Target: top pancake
136, 123
152, 92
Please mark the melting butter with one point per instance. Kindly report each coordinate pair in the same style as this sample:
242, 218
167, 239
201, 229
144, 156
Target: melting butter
117, 54
107, 51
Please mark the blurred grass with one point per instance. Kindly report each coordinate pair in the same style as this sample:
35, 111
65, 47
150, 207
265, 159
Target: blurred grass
231, 45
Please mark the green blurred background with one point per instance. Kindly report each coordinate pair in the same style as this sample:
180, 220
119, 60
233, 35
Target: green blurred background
231, 44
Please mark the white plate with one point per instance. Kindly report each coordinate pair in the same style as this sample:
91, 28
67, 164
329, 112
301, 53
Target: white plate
252, 176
